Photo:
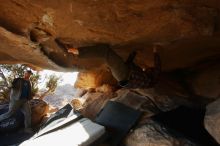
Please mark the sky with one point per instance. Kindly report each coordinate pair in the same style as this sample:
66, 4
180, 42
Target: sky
67, 78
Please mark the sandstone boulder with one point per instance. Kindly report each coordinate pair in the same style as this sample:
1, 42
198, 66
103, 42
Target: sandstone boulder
39, 109
93, 79
212, 119
188, 30
94, 103
163, 101
206, 81
154, 134
136, 101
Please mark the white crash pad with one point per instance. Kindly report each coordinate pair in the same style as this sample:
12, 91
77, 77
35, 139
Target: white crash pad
81, 133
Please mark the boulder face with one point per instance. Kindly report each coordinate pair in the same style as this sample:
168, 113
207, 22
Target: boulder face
94, 78
212, 120
154, 134
37, 33
39, 109
188, 30
206, 82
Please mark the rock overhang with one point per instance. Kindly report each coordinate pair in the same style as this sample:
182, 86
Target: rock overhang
188, 31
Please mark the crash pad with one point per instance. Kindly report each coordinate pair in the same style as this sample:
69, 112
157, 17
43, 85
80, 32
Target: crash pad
118, 119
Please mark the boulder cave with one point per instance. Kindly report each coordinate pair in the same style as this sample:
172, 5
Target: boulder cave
33, 32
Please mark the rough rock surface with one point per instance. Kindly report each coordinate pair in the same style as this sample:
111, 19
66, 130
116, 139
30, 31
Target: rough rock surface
95, 78
94, 103
39, 109
154, 134
212, 120
137, 102
163, 102
186, 29
207, 81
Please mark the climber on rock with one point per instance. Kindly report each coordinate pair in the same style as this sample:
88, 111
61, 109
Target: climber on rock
126, 73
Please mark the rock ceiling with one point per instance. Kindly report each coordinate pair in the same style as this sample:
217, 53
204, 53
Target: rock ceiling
188, 30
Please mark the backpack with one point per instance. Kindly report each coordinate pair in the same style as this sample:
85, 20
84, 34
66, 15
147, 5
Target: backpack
15, 83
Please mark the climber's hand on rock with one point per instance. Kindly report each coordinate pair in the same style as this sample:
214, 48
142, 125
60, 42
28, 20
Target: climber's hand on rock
74, 51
